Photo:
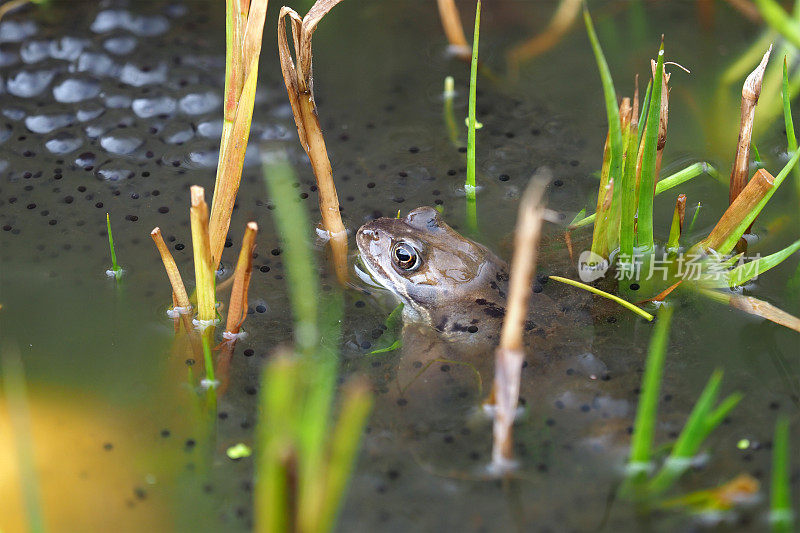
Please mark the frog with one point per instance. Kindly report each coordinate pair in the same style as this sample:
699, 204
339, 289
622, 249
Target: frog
454, 290
444, 280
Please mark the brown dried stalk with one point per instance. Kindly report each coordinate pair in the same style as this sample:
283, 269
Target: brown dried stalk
662, 120
237, 308
564, 17
299, 87
178, 289
510, 354
203, 263
757, 307
751, 90
453, 30
242, 65
743, 204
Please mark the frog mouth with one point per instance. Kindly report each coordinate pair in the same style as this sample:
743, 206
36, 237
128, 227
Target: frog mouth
365, 274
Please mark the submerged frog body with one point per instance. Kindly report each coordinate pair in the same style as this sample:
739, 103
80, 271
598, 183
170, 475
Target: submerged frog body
444, 280
454, 289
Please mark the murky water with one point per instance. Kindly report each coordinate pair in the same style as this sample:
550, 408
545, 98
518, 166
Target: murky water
117, 108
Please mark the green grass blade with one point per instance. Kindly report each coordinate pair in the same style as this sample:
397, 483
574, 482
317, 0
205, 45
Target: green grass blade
644, 427
671, 181
628, 200
791, 138
469, 187
643, 112
779, 20
781, 513
614, 131
274, 456
449, 115
293, 226
356, 405
578, 218
730, 241
648, 171
16, 399
701, 422
694, 217
624, 303
114, 266
744, 273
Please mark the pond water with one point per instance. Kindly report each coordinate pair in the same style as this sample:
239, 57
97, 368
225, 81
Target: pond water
116, 107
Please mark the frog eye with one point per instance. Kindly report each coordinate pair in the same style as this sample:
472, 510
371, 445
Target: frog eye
405, 256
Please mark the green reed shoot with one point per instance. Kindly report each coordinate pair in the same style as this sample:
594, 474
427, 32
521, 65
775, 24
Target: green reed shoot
671, 181
16, 397
747, 271
781, 513
624, 303
780, 20
469, 186
648, 176
615, 146
303, 460
449, 116
293, 225
115, 268
644, 427
694, 217
703, 419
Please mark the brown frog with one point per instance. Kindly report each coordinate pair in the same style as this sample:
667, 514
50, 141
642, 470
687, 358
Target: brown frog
446, 281
454, 289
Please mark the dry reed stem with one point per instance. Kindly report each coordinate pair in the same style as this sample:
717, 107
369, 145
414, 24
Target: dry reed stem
10, 6
453, 30
299, 87
680, 207
663, 115
510, 354
203, 263
564, 17
179, 294
236, 130
746, 201
757, 307
751, 90
237, 308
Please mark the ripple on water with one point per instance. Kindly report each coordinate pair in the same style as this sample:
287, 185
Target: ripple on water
74, 90
120, 144
29, 83
63, 143
150, 107
48, 123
